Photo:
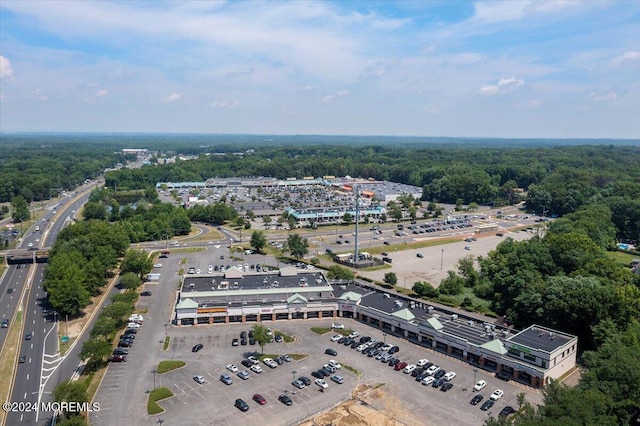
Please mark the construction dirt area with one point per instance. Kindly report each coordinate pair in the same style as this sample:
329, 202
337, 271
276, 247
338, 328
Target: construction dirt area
368, 406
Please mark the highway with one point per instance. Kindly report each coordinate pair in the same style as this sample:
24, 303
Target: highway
40, 322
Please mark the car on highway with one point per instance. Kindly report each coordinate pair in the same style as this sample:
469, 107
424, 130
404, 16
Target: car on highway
22, 359
9, 290
497, 394
28, 336
284, 398
198, 378
259, 399
241, 405
5, 323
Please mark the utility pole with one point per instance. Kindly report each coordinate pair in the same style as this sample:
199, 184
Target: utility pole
357, 190
441, 259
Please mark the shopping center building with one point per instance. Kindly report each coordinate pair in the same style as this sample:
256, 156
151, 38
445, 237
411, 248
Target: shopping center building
532, 356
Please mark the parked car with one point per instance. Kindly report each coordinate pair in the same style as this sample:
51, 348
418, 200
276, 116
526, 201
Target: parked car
305, 380
439, 374
232, 368
446, 386
197, 347
408, 369
259, 399
321, 383
506, 411
246, 363
235, 342
284, 398
133, 325
419, 255
338, 379
433, 369
146, 293
336, 337
497, 394
244, 374
335, 364
317, 374
253, 359
241, 405
118, 358
393, 349
256, 368
298, 384
400, 365
331, 352
476, 399
503, 376
120, 351
487, 405
226, 379
337, 326
354, 335
437, 383
428, 380
479, 386
422, 362
449, 376
198, 378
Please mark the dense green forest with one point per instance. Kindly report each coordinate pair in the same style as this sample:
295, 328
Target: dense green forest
39, 168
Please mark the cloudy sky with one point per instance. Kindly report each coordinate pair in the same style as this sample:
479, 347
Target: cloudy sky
552, 69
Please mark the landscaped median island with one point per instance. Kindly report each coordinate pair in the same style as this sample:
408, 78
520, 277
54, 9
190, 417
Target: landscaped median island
166, 366
324, 330
157, 395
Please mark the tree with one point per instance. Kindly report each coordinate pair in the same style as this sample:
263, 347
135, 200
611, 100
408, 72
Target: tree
424, 289
258, 240
391, 278
130, 281
347, 218
104, 327
262, 336
297, 246
452, 285
96, 350
137, 261
119, 310
337, 272
20, 209
69, 391
266, 220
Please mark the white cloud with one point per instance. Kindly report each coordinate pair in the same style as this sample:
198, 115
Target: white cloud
329, 98
173, 97
604, 96
225, 104
5, 68
629, 55
102, 92
504, 85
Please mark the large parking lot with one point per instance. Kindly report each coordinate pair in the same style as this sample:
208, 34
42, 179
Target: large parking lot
212, 402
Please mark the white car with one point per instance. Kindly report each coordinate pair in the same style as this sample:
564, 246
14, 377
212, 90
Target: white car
432, 370
479, 386
449, 376
421, 362
331, 368
199, 379
253, 360
136, 317
256, 368
337, 326
386, 347
335, 364
232, 368
362, 347
354, 334
322, 383
133, 325
336, 337
409, 368
270, 363
497, 394
158, 265
428, 380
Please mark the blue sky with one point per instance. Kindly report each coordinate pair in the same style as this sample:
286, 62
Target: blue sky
549, 69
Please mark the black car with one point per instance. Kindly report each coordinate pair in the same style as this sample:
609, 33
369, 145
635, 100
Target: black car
378, 345
125, 344
279, 360
305, 380
331, 352
421, 376
506, 411
437, 383
130, 331
317, 374
419, 255
393, 349
476, 399
28, 336
243, 334
487, 405
9, 290
393, 362
243, 342
445, 387
246, 363
252, 341
327, 372
251, 333
365, 339
278, 338
242, 406
503, 376
439, 374
372, 353
355, 345
342, 340
417, 372
120, 351
348, 342
197, 347
23, 358
285, 399
145, 293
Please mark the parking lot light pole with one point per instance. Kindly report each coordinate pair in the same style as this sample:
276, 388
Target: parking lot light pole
475, 371
384, 338
154, 379
294, 375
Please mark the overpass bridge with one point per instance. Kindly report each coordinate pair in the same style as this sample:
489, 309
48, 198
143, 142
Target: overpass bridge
16, 257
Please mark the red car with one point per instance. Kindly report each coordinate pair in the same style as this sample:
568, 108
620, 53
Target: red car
259, 399
399, 366
118, 358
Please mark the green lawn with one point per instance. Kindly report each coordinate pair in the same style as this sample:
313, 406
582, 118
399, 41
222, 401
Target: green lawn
155, 396
166, 366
